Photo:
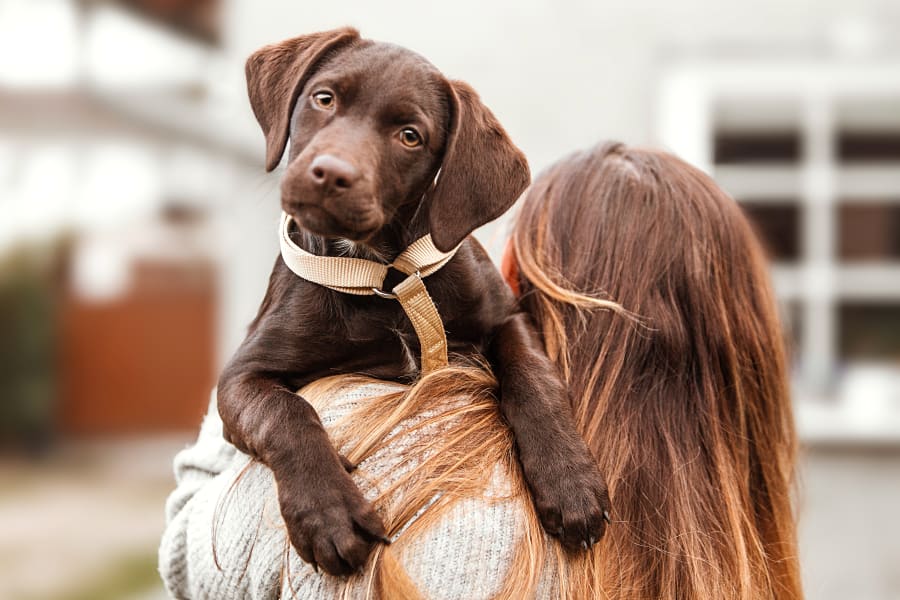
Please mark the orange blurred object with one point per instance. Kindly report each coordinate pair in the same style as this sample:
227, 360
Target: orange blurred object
143, 362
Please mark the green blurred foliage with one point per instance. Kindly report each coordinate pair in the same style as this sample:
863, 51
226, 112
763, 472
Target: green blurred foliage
29, 284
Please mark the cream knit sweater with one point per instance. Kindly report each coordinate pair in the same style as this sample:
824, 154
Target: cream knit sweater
226, 540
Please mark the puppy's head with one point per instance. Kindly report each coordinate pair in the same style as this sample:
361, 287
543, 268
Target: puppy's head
371, 125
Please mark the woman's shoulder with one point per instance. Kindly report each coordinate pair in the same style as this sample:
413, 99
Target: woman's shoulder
337, 402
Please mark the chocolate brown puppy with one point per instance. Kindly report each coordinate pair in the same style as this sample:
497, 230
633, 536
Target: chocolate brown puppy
384, 150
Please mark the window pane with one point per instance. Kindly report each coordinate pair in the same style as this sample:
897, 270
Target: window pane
756, 146
869, 331
778, 226
860, 146
869, 231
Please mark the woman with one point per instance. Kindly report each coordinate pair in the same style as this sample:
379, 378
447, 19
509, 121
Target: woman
679, 387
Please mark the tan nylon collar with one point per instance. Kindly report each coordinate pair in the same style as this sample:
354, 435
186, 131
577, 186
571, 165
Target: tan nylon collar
361, 277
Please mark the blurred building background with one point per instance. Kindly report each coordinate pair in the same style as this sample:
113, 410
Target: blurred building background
137, 231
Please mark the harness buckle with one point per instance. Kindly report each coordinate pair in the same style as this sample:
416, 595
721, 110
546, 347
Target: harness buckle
383, 294
389, 295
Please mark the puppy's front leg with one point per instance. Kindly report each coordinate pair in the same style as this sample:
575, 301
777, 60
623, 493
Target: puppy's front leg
569, 492
328, 520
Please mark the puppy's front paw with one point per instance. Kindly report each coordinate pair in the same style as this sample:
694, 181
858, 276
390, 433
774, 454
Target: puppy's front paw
571, 499
329, 522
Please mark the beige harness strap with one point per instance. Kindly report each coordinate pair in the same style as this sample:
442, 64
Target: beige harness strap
423, 314
359, 276
349, 275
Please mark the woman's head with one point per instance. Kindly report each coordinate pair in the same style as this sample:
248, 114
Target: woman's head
680, 388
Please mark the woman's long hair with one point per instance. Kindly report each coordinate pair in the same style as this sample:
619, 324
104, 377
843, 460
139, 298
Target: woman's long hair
652, 297
687, 407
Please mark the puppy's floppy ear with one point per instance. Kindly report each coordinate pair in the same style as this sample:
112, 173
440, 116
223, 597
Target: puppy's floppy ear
275, 76
482, 173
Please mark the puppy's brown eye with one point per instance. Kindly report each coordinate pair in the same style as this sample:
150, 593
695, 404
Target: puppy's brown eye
410, 137
324, 99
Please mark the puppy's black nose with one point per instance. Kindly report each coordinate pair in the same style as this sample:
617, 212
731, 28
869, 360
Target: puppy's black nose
331, 172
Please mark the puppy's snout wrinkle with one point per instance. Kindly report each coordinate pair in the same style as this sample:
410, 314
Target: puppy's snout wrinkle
332, 173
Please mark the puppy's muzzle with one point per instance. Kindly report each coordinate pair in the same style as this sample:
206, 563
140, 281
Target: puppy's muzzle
331, 174
330, 196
